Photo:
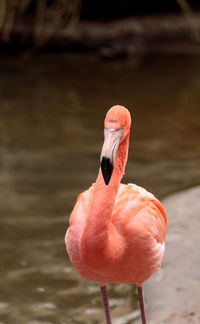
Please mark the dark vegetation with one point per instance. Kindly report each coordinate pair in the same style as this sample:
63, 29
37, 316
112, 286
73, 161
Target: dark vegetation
33, 24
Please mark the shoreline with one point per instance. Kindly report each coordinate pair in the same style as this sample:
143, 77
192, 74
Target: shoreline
159, 34
172, 293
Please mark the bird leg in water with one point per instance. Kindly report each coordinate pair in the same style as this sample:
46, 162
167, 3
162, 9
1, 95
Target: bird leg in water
142, 305
106, 304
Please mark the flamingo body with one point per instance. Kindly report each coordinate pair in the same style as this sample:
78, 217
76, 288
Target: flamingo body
140, 222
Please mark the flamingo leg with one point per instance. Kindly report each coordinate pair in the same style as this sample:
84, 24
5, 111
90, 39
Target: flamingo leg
106, 304
142, 304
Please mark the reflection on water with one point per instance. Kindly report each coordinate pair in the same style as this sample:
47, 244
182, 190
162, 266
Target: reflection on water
51, 124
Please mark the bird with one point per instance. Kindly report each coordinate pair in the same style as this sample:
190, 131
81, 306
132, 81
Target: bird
116, 232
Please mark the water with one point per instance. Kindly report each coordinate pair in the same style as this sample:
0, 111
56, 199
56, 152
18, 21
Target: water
51, 125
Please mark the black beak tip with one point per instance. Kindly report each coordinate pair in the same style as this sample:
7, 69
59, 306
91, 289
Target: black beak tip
107, 169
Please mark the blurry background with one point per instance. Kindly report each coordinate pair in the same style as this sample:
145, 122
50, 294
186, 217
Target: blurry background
63, 63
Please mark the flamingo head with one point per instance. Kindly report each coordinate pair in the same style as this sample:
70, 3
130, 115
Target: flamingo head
117, 127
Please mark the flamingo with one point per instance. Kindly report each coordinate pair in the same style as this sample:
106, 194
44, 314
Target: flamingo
117, 232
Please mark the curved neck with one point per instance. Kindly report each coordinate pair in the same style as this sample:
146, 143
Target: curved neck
98, 226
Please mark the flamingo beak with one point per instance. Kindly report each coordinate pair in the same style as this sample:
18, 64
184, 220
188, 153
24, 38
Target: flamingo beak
108, 153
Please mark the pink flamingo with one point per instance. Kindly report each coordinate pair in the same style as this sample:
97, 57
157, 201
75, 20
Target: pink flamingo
117, 231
